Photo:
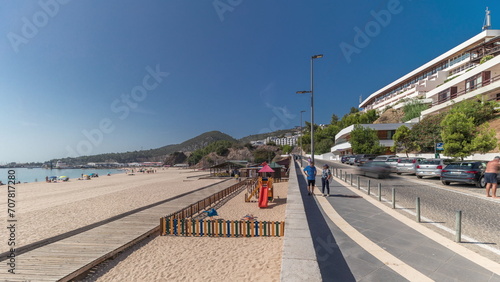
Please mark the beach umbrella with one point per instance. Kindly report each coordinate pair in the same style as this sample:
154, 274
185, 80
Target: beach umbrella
53, 177
91, 174
266, 168
63, 177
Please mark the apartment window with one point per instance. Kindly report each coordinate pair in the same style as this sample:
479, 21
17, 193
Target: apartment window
473, 82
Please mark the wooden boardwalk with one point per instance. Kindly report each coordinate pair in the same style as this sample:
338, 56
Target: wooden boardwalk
67, 258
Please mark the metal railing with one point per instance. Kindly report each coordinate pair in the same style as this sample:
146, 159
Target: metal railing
466, 90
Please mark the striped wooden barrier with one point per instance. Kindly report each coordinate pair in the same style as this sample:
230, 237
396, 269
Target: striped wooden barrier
209, 201
222, 228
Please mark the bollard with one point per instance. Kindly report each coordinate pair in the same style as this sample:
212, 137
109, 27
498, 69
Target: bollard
380, 192
458, 227
350, 178
417, 207
358, 183
368, 191
345, 176
336, 172
340, 174
368, 184
393, 197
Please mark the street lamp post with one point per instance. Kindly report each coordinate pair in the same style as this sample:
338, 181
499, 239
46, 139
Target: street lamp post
312, 102
301, 165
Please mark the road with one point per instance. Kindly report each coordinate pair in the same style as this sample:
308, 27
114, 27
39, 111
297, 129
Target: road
439, 205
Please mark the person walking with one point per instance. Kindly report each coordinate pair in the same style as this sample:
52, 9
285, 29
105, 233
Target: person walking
310, 171
490, 176
325, 180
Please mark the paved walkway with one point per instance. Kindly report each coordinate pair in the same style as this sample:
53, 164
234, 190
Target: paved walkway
358, 239
65, 258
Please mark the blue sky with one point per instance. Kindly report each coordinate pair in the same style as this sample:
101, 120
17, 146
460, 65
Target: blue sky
90, 77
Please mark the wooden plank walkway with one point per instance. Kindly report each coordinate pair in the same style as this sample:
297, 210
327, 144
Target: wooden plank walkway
64, 259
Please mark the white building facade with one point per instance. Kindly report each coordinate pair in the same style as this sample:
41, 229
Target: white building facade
460, 73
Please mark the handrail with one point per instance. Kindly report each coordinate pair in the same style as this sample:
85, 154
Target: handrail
466, 90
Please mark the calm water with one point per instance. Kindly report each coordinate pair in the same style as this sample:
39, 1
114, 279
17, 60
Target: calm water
38, 174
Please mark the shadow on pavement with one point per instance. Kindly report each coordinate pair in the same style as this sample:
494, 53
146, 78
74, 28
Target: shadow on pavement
331, 262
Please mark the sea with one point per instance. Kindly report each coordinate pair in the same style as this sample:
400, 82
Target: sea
27, 175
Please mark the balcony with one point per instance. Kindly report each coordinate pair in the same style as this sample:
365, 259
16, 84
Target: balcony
452, 95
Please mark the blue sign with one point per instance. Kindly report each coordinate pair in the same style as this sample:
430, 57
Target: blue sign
440, 146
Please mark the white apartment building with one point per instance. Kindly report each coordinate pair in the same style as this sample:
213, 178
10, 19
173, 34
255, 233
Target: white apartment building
287, 140
452, 77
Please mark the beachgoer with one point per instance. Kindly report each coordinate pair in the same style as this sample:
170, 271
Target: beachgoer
490, 176
325, 180
47, 179
310, 171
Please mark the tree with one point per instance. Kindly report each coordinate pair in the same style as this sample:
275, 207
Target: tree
427, 132
334, 120
413, 109
403, 141
485, 139
480, 111
365, 141
263, 155
458, 133
465, 131
286, 149
324, 146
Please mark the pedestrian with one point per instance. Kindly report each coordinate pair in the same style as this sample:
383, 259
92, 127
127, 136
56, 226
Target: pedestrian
325, 180
490, 176
310, 171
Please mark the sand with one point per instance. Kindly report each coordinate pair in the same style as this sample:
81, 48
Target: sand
171, 258
44, 209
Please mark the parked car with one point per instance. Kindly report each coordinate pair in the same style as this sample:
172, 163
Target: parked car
345, 158
407, 165
431, 167
384, 158
354, 160
393, 162
468, 172
377, 169
366, 159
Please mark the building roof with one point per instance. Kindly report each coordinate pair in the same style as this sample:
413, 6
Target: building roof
231, 164
462, 47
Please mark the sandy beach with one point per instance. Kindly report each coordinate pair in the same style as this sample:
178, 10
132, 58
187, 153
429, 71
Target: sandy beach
44, 209
171, 258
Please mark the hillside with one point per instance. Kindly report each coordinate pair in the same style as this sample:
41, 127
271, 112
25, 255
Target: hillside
390, 116
154, 155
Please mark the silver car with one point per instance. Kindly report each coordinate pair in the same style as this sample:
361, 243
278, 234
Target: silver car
408, 165
431, 167
393, 162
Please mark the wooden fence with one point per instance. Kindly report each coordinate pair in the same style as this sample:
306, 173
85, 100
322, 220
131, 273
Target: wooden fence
221, 228
202, 205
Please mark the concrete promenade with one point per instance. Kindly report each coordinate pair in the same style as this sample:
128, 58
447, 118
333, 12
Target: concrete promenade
355, 238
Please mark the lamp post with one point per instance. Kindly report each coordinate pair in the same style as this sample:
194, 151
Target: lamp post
312, 102
301, 165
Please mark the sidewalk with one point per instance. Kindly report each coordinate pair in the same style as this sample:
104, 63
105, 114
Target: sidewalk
356, 240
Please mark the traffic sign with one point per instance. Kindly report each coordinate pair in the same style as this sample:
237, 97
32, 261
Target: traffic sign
440, 146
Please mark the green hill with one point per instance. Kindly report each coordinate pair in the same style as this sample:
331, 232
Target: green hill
153, 155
